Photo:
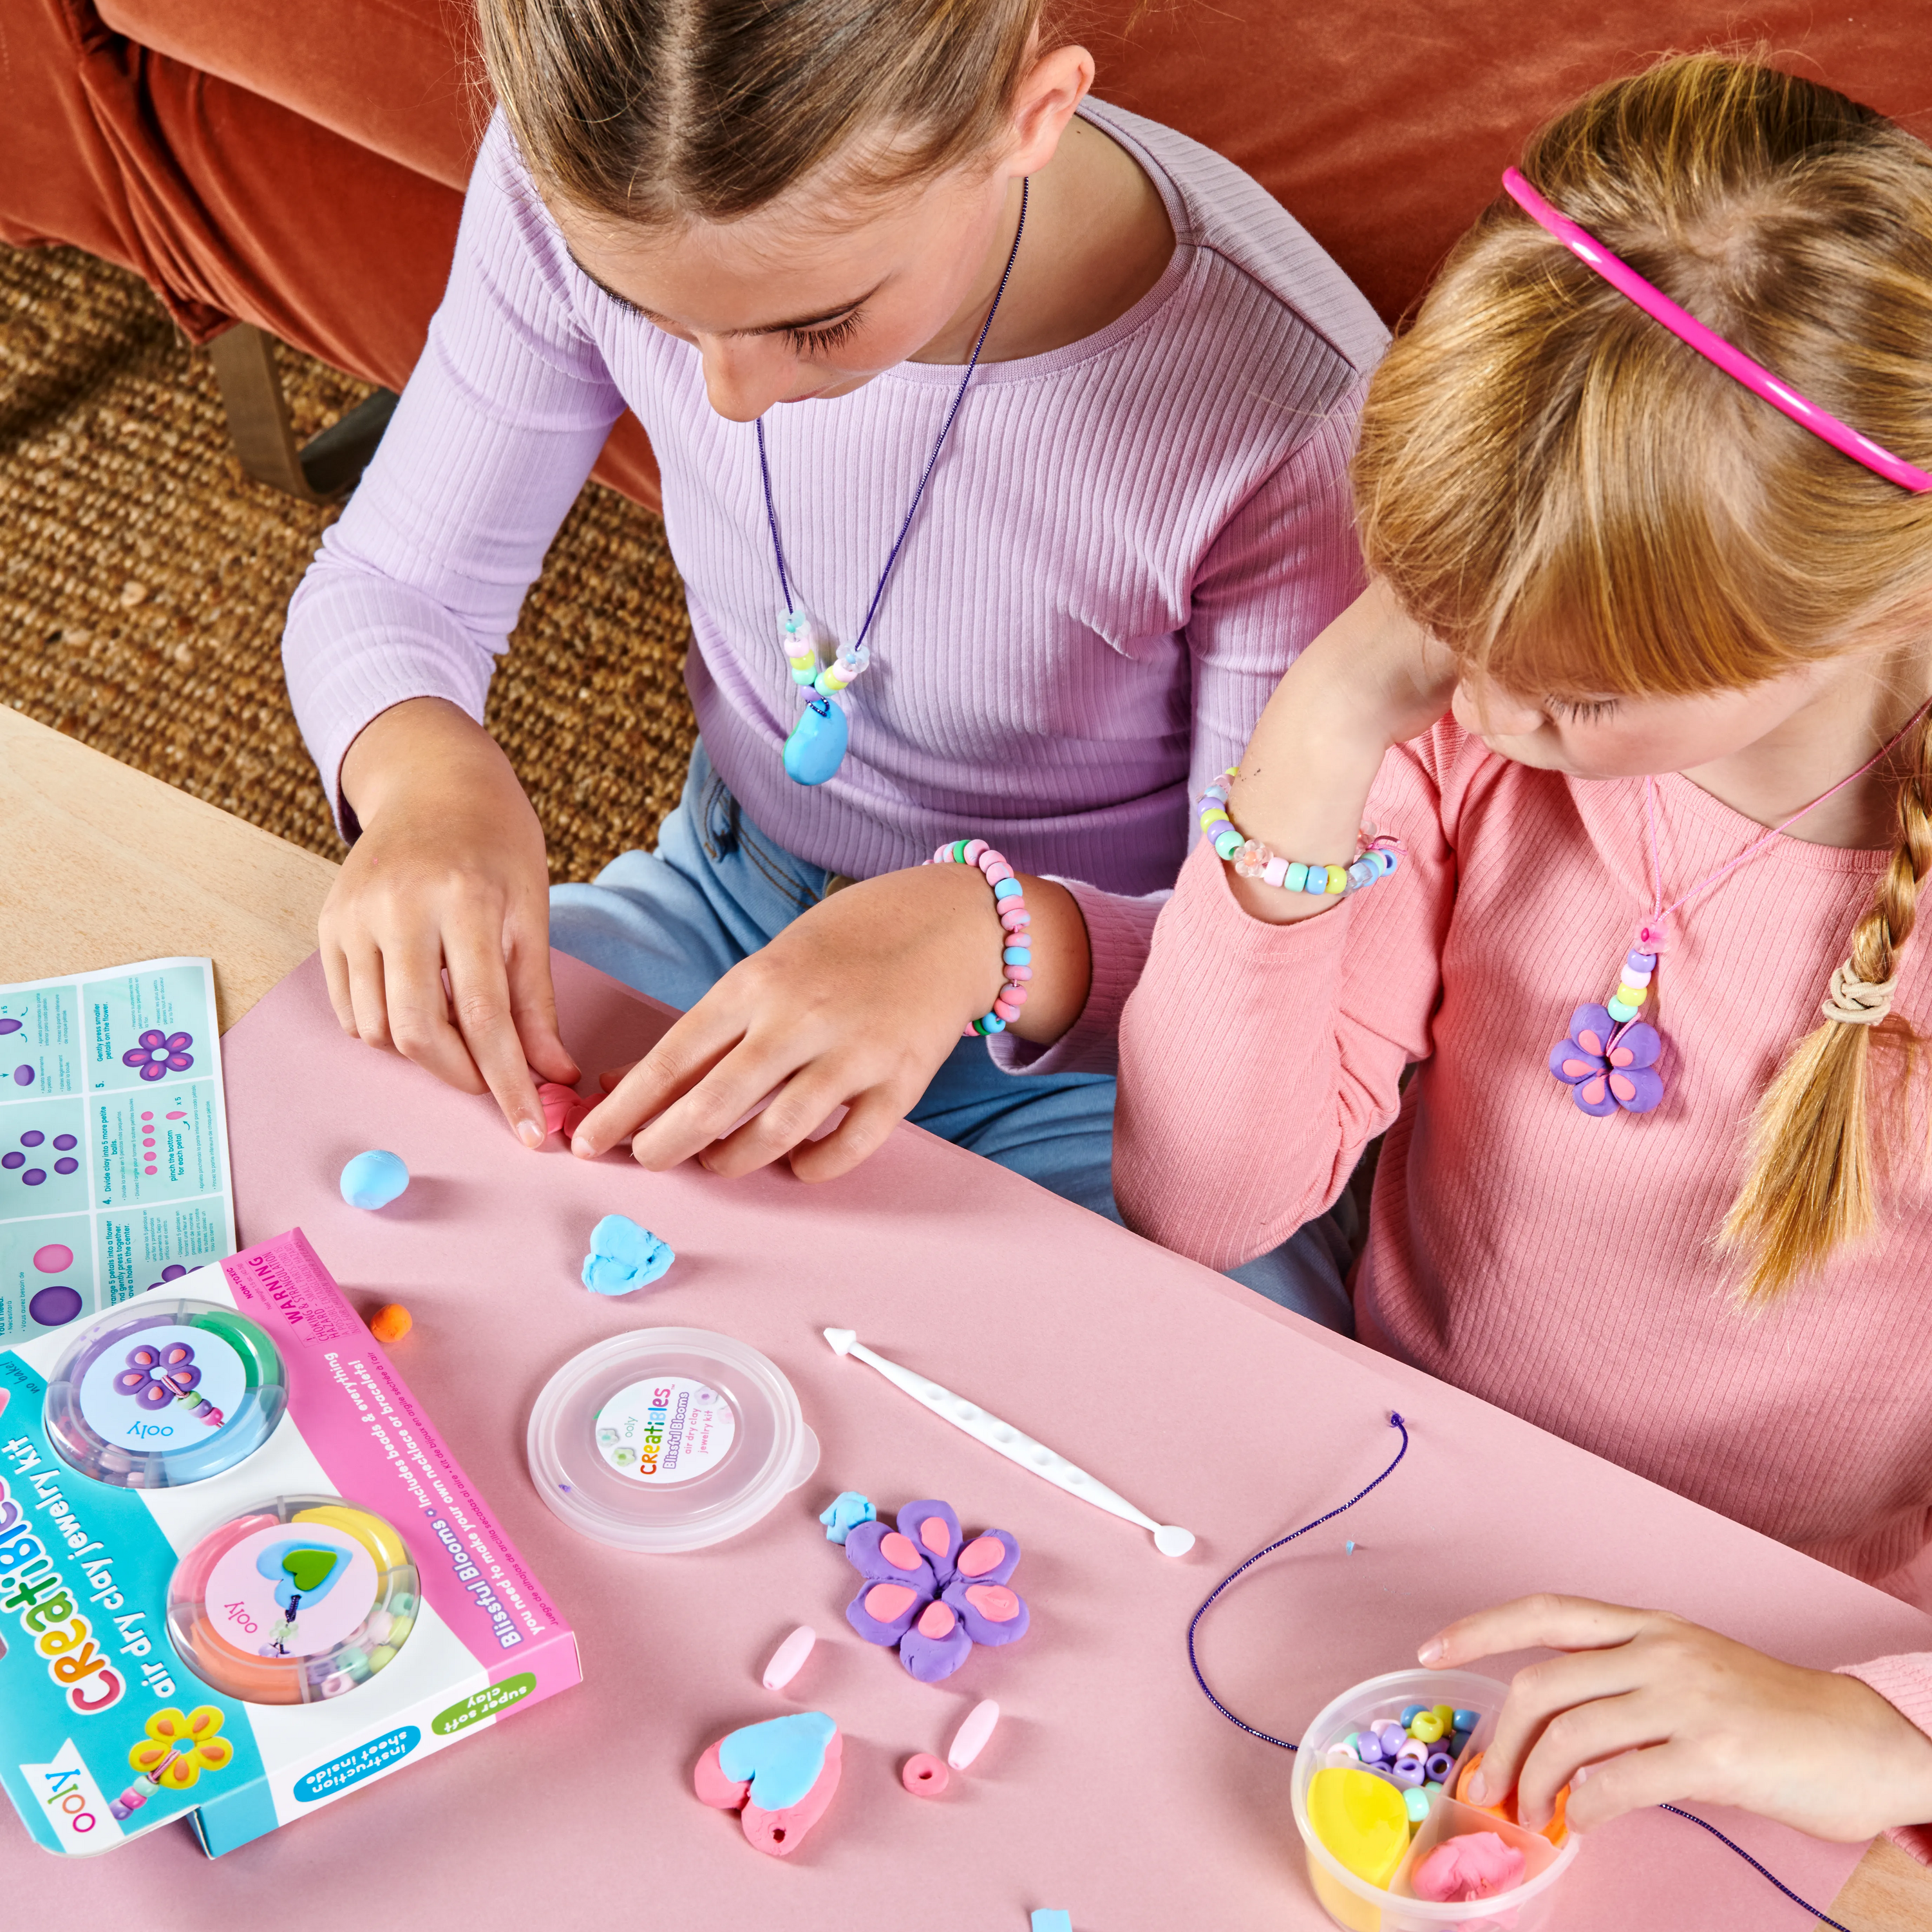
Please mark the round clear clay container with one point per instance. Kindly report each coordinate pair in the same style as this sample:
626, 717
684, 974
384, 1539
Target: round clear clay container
299, 1600
668, 1439
1351, 1900
163, 1391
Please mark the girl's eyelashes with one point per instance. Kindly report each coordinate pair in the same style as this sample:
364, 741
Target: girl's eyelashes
823, 341
1580, 710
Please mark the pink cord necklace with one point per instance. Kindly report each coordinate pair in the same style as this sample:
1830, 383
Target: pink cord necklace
1610, 1058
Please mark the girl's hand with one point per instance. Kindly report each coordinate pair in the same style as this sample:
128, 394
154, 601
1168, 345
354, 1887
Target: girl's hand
856, 1003
1702, 1720
1374, 678
449, 875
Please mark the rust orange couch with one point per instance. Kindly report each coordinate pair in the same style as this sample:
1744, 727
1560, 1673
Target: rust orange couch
299, 164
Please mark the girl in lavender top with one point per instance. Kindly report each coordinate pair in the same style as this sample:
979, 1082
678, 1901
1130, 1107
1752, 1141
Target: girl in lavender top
780, 234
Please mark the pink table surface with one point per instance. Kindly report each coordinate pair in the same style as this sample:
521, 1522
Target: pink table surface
1111, 1788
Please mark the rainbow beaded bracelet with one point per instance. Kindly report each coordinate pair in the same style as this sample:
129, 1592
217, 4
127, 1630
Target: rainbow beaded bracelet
1016, 953
1253, 860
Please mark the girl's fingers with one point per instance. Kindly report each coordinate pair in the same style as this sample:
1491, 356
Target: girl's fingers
479, 998
867, 1121
1543, 1622
416, 1016
1553, 1695
1662, 1774
612, 1077
684, 1057
713, 1106
335, 973
533, 1008
1584, 1733
798, 1109
368, 1009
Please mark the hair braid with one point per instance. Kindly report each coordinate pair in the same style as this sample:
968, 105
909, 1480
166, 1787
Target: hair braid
1822, 1138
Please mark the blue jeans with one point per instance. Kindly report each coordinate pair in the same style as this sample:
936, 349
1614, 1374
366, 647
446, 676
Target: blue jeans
671, 923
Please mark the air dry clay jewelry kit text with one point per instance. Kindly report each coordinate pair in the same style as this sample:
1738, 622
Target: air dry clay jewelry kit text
240, 1573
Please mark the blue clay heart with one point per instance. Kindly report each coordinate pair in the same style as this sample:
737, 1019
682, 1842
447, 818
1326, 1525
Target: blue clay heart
817, 746
780, 1759
624, 1256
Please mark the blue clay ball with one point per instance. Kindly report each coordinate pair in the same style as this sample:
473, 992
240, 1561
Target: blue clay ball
624, 1257
374, 1179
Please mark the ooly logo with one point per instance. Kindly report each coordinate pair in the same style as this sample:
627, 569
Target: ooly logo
66, 1795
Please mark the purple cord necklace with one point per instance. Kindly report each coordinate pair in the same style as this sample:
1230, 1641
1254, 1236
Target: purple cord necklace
1396, 1422
816, 748
1609, 1058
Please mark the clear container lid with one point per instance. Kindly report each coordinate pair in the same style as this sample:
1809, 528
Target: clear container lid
163, 1391
666, 1439
301, 1599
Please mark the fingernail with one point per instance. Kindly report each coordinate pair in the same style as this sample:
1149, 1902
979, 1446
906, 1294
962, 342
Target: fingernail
530, 1132
1478, 1788
1431, 1652
579, 1145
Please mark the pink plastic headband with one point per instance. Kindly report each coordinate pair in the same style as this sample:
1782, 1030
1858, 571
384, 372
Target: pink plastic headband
1735, 363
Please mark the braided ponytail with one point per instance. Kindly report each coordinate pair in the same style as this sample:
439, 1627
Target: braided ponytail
1831, 1123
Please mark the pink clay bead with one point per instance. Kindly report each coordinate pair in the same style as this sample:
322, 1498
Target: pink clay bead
1015, 992
1017, 972
975, 849
995, 868
1006, 1010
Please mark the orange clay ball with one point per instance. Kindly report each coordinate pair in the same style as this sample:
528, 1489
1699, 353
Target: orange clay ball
391, 1323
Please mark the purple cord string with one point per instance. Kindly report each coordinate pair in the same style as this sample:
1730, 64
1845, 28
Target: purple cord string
1395, 1422
1240, 1724
945, 430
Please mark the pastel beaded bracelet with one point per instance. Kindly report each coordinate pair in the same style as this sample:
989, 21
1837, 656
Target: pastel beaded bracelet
1253, 860
1016, 952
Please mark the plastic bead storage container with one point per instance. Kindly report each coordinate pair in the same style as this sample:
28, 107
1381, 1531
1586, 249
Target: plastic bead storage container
165, 1391
668, 1439
1352, 1900
298, 1600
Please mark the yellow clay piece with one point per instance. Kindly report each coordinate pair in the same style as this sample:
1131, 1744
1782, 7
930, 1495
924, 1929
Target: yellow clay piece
375, 1535
1361, 1819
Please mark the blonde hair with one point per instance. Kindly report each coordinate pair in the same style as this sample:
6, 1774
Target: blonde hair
661, 111
1575, 501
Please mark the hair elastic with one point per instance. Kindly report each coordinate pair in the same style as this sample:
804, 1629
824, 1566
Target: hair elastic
1734, 362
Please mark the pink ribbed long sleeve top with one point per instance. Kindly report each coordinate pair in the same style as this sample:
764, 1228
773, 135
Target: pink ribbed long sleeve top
1558, 1265
1123, 545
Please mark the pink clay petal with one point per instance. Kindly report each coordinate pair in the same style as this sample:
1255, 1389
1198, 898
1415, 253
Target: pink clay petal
898, 1550
1592, 1090
888, 1602
994, 1601
935, 1621
1590, 1042
982, 1554
932, 1534
1576, 1069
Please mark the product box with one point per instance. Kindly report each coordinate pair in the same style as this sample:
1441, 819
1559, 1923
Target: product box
240, 1574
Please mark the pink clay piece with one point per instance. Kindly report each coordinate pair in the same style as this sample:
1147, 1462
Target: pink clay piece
982, 1554
995, 1602
789, 1657
1477, 1865
969, 1740
936, 1620
932, 1534
777, 1833
888, 1602
924, 1776
898, 1550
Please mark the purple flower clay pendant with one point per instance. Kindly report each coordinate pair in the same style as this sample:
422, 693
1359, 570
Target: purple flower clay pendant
1606, 1066
931, 1594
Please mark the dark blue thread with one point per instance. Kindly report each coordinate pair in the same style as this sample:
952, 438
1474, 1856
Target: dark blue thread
1194, 1661
945, 430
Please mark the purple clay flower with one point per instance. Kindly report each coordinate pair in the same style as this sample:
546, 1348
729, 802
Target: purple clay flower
160, 1053
930, 1593
1605, 1069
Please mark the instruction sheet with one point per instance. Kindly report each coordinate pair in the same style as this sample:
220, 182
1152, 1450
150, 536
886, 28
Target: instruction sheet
114, 1173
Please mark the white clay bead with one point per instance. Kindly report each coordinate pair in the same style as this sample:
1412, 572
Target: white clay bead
969, 1740
789, 1657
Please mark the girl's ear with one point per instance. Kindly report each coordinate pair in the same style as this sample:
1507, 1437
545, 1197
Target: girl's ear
1043, 104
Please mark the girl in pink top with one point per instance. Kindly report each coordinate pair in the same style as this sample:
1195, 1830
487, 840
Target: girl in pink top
1656, 1181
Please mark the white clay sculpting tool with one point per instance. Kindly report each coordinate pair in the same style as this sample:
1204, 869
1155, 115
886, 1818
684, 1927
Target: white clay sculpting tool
1168, 1539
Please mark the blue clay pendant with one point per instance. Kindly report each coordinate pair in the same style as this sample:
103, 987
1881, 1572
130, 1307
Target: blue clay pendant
817, 746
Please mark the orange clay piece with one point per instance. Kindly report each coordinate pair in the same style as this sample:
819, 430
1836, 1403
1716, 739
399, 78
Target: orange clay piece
391, 1323
1556, 1831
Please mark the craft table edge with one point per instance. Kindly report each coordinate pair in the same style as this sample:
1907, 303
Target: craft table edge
108, 864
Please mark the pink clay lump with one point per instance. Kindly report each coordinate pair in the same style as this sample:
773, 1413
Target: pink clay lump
1478, 1865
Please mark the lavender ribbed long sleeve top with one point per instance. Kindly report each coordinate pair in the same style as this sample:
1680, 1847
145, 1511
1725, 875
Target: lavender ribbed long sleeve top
1557, 1265
1124, 543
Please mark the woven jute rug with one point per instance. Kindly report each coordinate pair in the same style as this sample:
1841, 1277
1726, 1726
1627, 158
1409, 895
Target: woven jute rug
144, 580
